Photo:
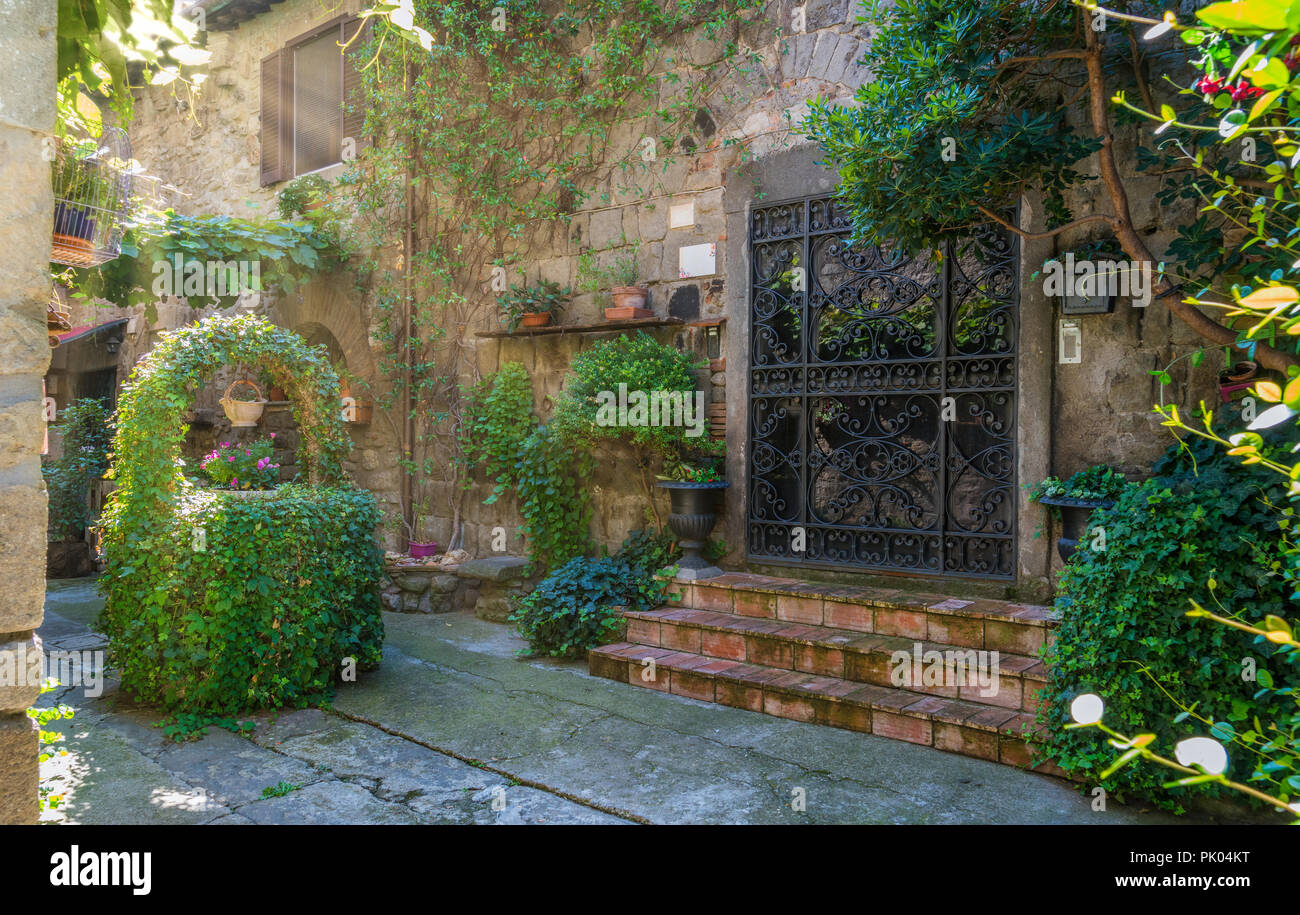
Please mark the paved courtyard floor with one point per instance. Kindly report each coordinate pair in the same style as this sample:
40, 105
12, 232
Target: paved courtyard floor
455, 728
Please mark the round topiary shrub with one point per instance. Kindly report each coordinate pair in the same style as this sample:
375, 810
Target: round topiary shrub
218, 602
1200, 531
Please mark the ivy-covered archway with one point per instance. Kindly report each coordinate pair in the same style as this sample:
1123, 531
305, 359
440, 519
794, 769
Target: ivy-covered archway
150, 429
216, 602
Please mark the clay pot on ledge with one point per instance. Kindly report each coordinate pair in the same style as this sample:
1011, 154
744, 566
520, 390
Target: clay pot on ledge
243, 414
1075, 514
629, 302
694, 511
535, 319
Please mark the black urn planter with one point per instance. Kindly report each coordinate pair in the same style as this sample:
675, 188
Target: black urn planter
694, 511
1075, 514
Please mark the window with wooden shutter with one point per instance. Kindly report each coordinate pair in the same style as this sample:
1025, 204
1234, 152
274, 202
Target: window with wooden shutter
272, 116
313, 106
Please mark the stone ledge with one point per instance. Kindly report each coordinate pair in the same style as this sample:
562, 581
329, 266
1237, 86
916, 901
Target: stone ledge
497, 569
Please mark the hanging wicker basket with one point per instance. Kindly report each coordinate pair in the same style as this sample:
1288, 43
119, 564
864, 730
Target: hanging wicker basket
243, 414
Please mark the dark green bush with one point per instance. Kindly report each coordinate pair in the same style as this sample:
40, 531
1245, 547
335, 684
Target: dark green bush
239, 603
1206, 534
86, 428
578, 606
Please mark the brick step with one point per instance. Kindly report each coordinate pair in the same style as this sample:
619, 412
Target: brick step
955, 725
992, 625
845, 654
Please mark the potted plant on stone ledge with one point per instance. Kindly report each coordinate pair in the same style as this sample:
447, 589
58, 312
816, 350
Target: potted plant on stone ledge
1074, 500
533, 306
622, 279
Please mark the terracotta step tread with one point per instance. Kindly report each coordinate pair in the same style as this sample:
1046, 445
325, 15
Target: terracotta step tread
825, 636
1031, 614
1006, 722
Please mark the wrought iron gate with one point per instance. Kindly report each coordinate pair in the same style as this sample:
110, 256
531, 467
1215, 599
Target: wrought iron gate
882, 401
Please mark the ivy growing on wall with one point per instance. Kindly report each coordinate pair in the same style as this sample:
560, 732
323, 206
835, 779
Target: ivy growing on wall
500, 120
547, 470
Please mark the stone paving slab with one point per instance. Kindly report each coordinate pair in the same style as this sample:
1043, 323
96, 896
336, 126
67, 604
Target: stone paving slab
455, 727
119, 768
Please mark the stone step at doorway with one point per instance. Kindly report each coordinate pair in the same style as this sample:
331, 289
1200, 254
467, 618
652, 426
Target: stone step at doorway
959, 675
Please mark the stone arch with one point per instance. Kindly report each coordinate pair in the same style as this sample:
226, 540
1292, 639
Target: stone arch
150, 427
327, 305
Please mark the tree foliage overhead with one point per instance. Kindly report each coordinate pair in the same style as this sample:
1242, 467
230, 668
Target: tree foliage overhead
974, 103
955, 119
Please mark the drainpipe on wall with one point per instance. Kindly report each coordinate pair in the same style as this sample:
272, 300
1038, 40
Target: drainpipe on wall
408, 320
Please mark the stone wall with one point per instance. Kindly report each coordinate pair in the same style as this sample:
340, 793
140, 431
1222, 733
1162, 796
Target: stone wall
26, 121
746, 150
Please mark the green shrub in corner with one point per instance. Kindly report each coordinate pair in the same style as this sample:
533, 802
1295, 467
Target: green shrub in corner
86, 427
1202, 530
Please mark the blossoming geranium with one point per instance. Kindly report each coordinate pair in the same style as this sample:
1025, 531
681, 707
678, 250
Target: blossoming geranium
237, 466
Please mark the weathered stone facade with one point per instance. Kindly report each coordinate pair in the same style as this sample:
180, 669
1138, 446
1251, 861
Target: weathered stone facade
26, 121
1069, 416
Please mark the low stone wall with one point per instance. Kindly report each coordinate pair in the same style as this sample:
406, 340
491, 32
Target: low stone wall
484, 586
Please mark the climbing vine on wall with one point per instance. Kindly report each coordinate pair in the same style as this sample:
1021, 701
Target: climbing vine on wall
501, 119
168, 253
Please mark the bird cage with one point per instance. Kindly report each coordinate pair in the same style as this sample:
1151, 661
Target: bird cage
93, 182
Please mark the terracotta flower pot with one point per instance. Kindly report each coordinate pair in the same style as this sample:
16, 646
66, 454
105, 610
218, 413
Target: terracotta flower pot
243, 414
535, 319
629, 302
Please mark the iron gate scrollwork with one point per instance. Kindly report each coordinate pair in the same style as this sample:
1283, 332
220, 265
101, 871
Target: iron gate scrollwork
882, 399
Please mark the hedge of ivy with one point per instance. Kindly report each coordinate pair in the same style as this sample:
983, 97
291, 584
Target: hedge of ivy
1206, 529
237, 603
216, 602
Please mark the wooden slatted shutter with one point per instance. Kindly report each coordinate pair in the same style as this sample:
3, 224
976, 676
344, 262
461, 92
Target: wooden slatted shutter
354, 97
275, 116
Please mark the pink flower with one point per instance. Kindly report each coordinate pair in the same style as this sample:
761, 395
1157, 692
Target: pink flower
272, 435
234, 483
231, 459
225, 444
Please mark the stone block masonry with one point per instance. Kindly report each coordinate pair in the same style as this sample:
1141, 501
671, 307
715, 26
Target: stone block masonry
26, 123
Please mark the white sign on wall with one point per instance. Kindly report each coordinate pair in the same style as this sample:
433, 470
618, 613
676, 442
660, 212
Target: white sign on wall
697, 260
681, 215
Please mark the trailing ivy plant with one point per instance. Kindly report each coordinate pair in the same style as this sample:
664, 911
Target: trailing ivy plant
501, 121
498, 421
1205, 531
161, 249
1098, 483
